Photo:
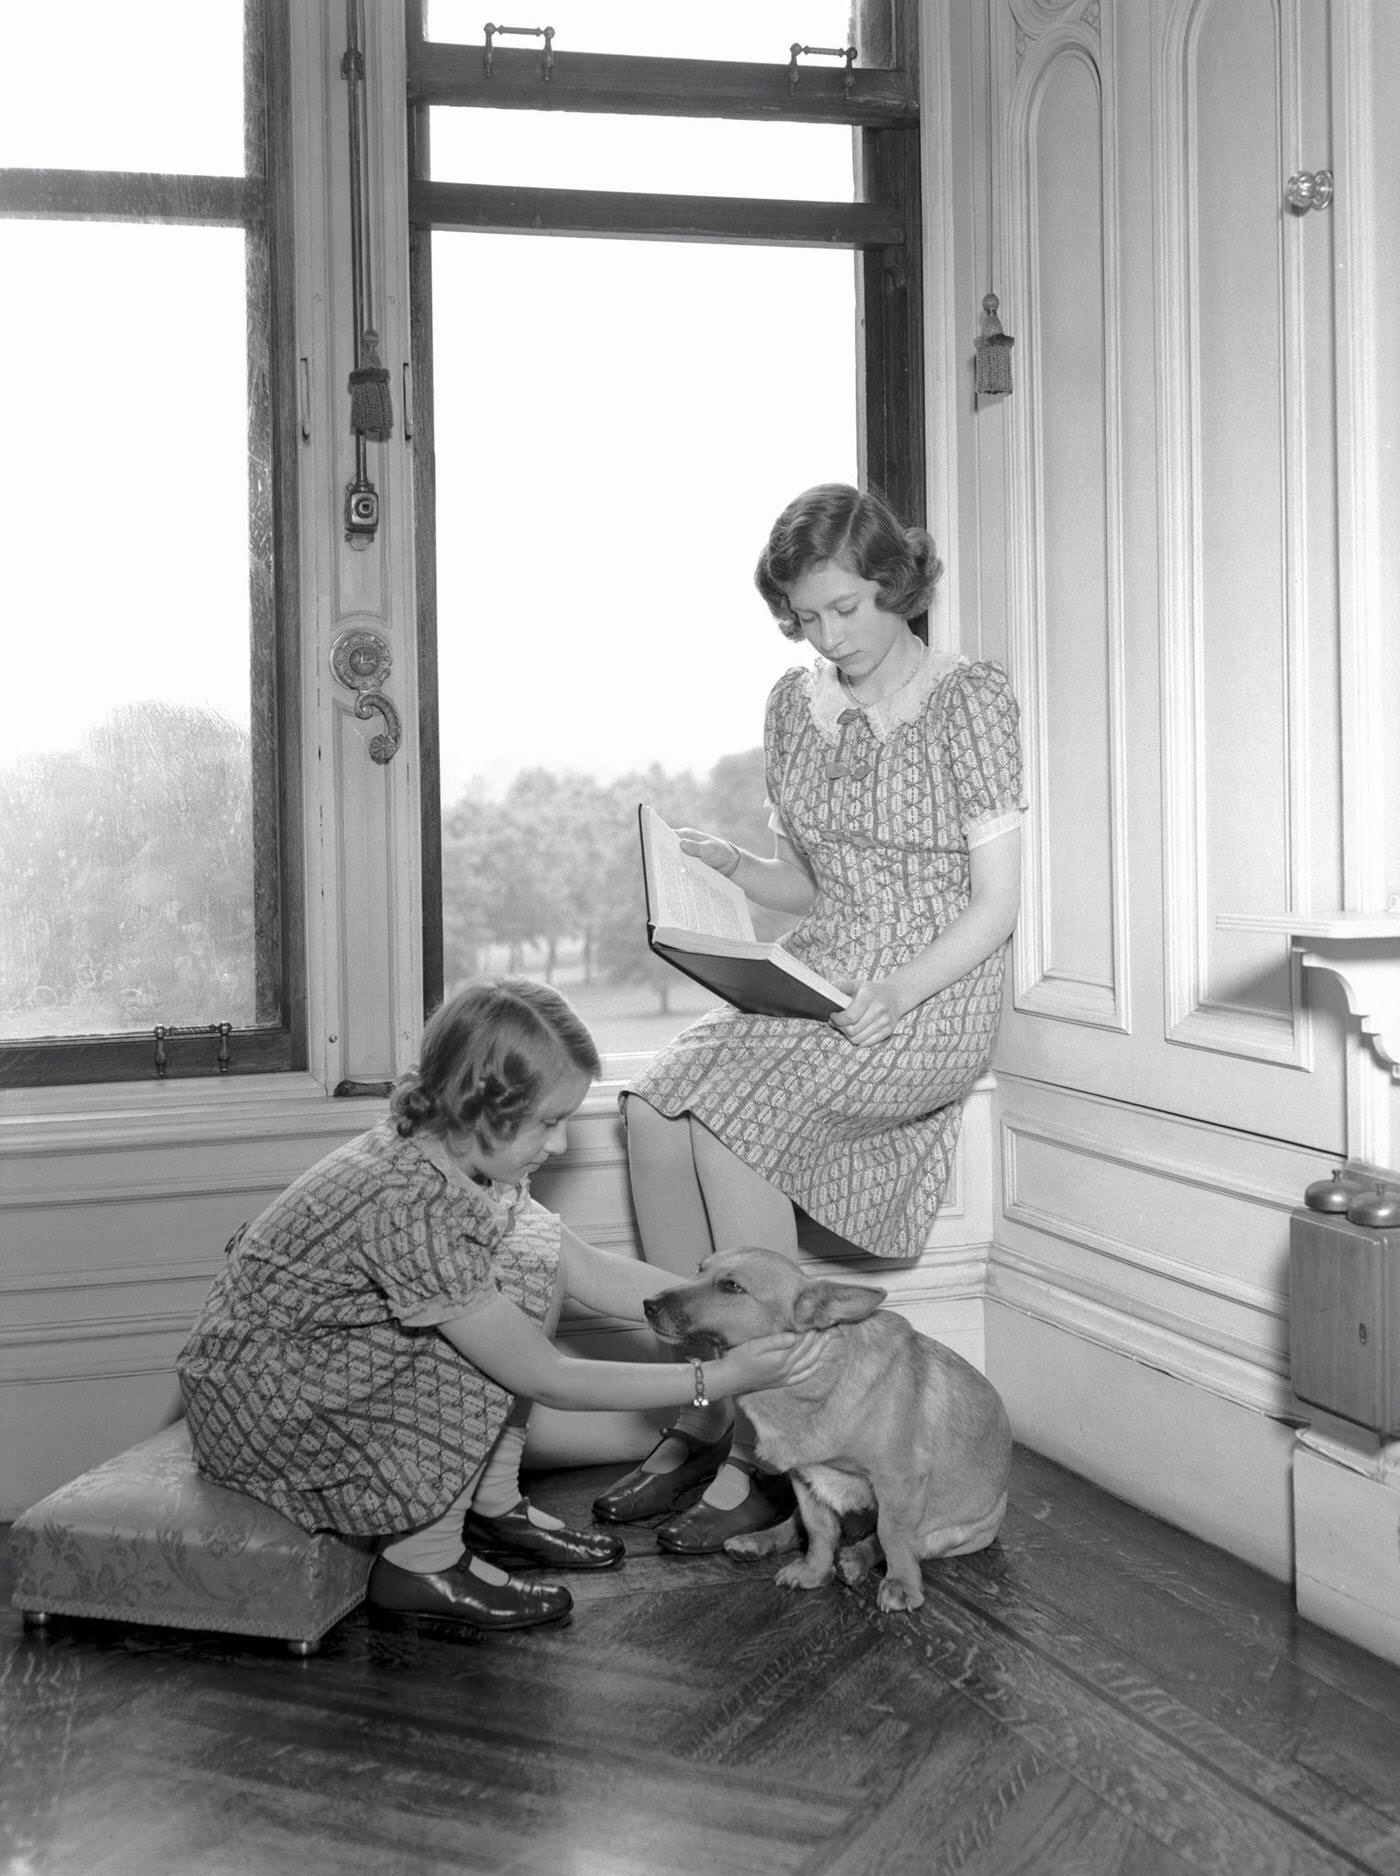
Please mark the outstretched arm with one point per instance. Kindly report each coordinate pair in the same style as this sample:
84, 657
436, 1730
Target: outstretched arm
606, 1283
503, 1342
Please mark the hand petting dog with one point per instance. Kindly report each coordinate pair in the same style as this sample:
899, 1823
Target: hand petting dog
880, 1417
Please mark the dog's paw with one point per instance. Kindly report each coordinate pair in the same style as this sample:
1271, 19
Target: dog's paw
802, 1576
856, 1561
751, 1544
895, 1595
769, 1543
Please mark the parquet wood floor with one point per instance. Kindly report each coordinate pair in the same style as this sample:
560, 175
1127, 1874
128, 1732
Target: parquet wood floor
1097, 1693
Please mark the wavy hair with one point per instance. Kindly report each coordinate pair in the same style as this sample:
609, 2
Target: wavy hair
488, 1056
857, 529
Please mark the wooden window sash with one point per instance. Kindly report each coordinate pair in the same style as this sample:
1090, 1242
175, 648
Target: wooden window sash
263, 210
499, 209
882, 228
621, 84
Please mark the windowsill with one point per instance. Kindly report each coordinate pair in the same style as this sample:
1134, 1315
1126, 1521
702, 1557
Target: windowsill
112, 1114
107, 1115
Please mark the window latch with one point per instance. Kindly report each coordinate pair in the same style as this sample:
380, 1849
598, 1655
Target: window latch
361, 661
165, 1030
525, 32
848, 53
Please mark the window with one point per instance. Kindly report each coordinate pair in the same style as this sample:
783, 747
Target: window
723, 309
143, 793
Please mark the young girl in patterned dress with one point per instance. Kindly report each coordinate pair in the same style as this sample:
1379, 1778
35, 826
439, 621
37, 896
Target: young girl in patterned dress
894, 783
368, 1356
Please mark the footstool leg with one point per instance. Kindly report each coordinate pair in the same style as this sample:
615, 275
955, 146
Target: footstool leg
303, 1648
36, 1618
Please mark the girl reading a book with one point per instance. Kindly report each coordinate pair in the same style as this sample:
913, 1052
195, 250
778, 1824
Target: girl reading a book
894, 784
368, 1356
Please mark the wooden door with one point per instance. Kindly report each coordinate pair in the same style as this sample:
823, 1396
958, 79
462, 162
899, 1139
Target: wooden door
1171, 556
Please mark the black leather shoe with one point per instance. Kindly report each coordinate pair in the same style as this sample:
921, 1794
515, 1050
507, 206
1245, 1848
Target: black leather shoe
705, 1527
456, 1599
514, 1543
641, 1494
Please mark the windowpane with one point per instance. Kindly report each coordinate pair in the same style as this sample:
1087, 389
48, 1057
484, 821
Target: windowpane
683, 156
760, 30
144, 85
605, 481
125, 779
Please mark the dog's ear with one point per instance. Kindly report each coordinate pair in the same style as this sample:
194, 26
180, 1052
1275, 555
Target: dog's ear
821, 1304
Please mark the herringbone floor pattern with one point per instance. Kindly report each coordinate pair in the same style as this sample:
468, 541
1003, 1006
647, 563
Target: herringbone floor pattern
1096, 1693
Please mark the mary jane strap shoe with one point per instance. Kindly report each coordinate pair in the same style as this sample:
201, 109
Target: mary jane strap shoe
513, 1542
457, 1599
705, 1528
642, 1494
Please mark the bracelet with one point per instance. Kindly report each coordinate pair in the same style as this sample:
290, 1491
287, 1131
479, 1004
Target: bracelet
730, 871
701, 1398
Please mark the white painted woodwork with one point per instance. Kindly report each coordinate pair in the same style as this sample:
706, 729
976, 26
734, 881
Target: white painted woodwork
1165, 511
363, 858
1180, 525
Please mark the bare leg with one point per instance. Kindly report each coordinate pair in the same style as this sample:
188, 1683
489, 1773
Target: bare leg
666, 1195
740, 1205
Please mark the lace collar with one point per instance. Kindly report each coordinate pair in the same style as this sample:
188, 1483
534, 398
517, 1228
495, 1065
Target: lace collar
828, 701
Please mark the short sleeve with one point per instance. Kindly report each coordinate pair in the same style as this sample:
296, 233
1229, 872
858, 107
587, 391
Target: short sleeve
776, 718
433, 1256
983, 743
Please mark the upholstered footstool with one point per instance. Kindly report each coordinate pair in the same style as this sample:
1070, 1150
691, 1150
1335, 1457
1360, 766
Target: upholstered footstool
145, 1538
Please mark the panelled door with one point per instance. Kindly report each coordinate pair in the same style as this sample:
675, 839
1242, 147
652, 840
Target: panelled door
1169, 526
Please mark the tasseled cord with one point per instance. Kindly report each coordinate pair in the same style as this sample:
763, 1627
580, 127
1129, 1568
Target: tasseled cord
371, 407
993, 352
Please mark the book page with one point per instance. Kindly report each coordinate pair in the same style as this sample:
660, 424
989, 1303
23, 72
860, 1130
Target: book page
686, 893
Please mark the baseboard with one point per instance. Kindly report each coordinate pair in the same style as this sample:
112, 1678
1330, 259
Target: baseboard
1204, 1463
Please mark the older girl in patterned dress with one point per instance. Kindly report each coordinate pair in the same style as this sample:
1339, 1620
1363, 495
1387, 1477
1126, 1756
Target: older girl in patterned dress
368, 1356
894, 781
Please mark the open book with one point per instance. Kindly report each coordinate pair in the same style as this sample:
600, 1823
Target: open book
699, 921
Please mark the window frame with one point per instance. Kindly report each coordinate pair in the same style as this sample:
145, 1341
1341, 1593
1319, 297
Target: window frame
882, 227
260, 202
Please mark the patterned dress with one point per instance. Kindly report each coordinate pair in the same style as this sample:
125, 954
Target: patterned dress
315, 1378
884, 804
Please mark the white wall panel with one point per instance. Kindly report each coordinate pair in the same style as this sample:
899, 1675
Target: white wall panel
1163, 1239
1065, 540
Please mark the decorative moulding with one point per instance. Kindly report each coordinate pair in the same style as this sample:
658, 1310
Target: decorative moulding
1362, 951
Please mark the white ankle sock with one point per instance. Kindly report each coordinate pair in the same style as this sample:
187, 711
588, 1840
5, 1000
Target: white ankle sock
729, 1488
434, 1548
498, 1484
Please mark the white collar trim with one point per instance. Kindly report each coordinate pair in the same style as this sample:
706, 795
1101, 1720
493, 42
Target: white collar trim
828, 701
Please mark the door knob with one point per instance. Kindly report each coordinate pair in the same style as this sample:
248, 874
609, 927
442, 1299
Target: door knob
1306, 190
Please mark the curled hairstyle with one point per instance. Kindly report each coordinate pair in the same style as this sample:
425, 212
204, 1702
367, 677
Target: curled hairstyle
487, 1058
857, 529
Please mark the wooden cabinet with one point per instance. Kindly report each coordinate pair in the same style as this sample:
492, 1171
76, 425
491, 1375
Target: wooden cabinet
1345, 1320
